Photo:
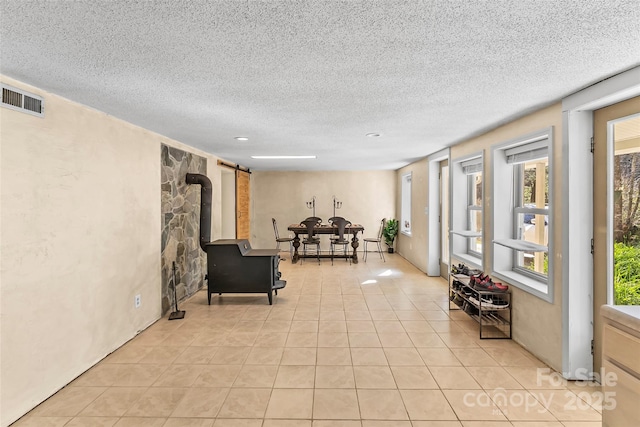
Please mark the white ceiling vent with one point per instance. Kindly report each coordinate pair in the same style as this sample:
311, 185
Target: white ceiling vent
20, 100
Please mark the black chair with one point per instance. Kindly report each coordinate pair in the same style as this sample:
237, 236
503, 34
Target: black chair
311, 239
314, 218
331, 220
339, 240
282, 239
377, 241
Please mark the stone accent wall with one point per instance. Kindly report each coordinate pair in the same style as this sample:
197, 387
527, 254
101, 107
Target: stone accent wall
181, 226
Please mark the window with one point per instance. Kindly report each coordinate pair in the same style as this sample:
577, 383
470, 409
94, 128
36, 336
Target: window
623, 221
474, 212
531, 217
467, 214
405, 217
521, 212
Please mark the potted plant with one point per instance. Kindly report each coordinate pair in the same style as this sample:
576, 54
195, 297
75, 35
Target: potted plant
390, 232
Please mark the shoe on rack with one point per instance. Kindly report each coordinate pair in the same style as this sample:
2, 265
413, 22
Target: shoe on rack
482, 299
496, 305
470, 309
473, 272
457, 269
490, 286
478, 279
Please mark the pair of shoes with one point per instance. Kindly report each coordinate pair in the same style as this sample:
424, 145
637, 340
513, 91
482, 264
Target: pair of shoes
496, 305
457, 269
458, 300
478, 279
464, 270
482, 299
490, 286
489, 304
457, 285
470, 309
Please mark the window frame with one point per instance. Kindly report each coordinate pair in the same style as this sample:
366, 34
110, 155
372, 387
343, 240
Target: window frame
507, 206
471, 207
520, 209
405, 208
462, 206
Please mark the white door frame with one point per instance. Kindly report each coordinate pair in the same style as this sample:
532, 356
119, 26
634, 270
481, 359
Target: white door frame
577, 210
228, 203
433, 225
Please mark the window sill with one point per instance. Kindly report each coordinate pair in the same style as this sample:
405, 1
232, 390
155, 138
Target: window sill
525, 283
521, 245
466, 233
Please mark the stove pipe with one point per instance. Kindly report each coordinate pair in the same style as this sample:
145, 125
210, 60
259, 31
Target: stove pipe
205, 206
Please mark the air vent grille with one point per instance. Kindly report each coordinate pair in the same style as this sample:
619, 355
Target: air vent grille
20, 100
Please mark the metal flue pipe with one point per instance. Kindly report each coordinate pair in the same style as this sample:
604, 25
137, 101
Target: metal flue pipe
205, 206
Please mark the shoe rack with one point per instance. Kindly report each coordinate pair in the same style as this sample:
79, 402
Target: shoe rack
492, 310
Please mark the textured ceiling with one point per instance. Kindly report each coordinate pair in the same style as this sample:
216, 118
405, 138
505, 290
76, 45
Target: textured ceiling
314, 77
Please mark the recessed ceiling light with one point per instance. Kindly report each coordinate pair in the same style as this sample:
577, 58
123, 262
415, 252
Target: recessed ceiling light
241, 138
282, 157
373, 135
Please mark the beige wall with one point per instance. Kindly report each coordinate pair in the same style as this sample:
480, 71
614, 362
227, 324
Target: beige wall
414, 248
80, 237
366, 196
537, 325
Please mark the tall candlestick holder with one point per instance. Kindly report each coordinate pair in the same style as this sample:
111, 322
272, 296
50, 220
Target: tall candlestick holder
312, 205
337, 204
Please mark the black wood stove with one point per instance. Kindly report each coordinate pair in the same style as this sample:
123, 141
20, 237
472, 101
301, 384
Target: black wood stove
232, 265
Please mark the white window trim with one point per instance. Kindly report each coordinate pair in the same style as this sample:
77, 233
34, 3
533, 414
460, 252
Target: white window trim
460, 233
406, 204
470, 243
502, 217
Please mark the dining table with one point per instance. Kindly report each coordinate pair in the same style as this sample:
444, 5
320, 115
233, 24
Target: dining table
300, 229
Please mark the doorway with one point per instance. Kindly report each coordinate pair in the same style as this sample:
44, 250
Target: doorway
228, 204
242, 205
434, 212
616, 237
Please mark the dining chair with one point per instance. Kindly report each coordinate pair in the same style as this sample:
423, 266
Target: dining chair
282, 239
338, 239
376, 240
311, 240
331, 220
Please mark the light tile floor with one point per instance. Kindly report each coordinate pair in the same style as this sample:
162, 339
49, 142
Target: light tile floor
366, 345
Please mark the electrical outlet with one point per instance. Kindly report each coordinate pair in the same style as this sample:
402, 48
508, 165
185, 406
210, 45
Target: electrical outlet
137, 301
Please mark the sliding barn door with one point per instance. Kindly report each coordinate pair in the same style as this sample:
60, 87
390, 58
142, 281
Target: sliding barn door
242, 205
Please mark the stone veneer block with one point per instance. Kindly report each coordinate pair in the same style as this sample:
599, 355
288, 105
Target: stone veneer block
181, 225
